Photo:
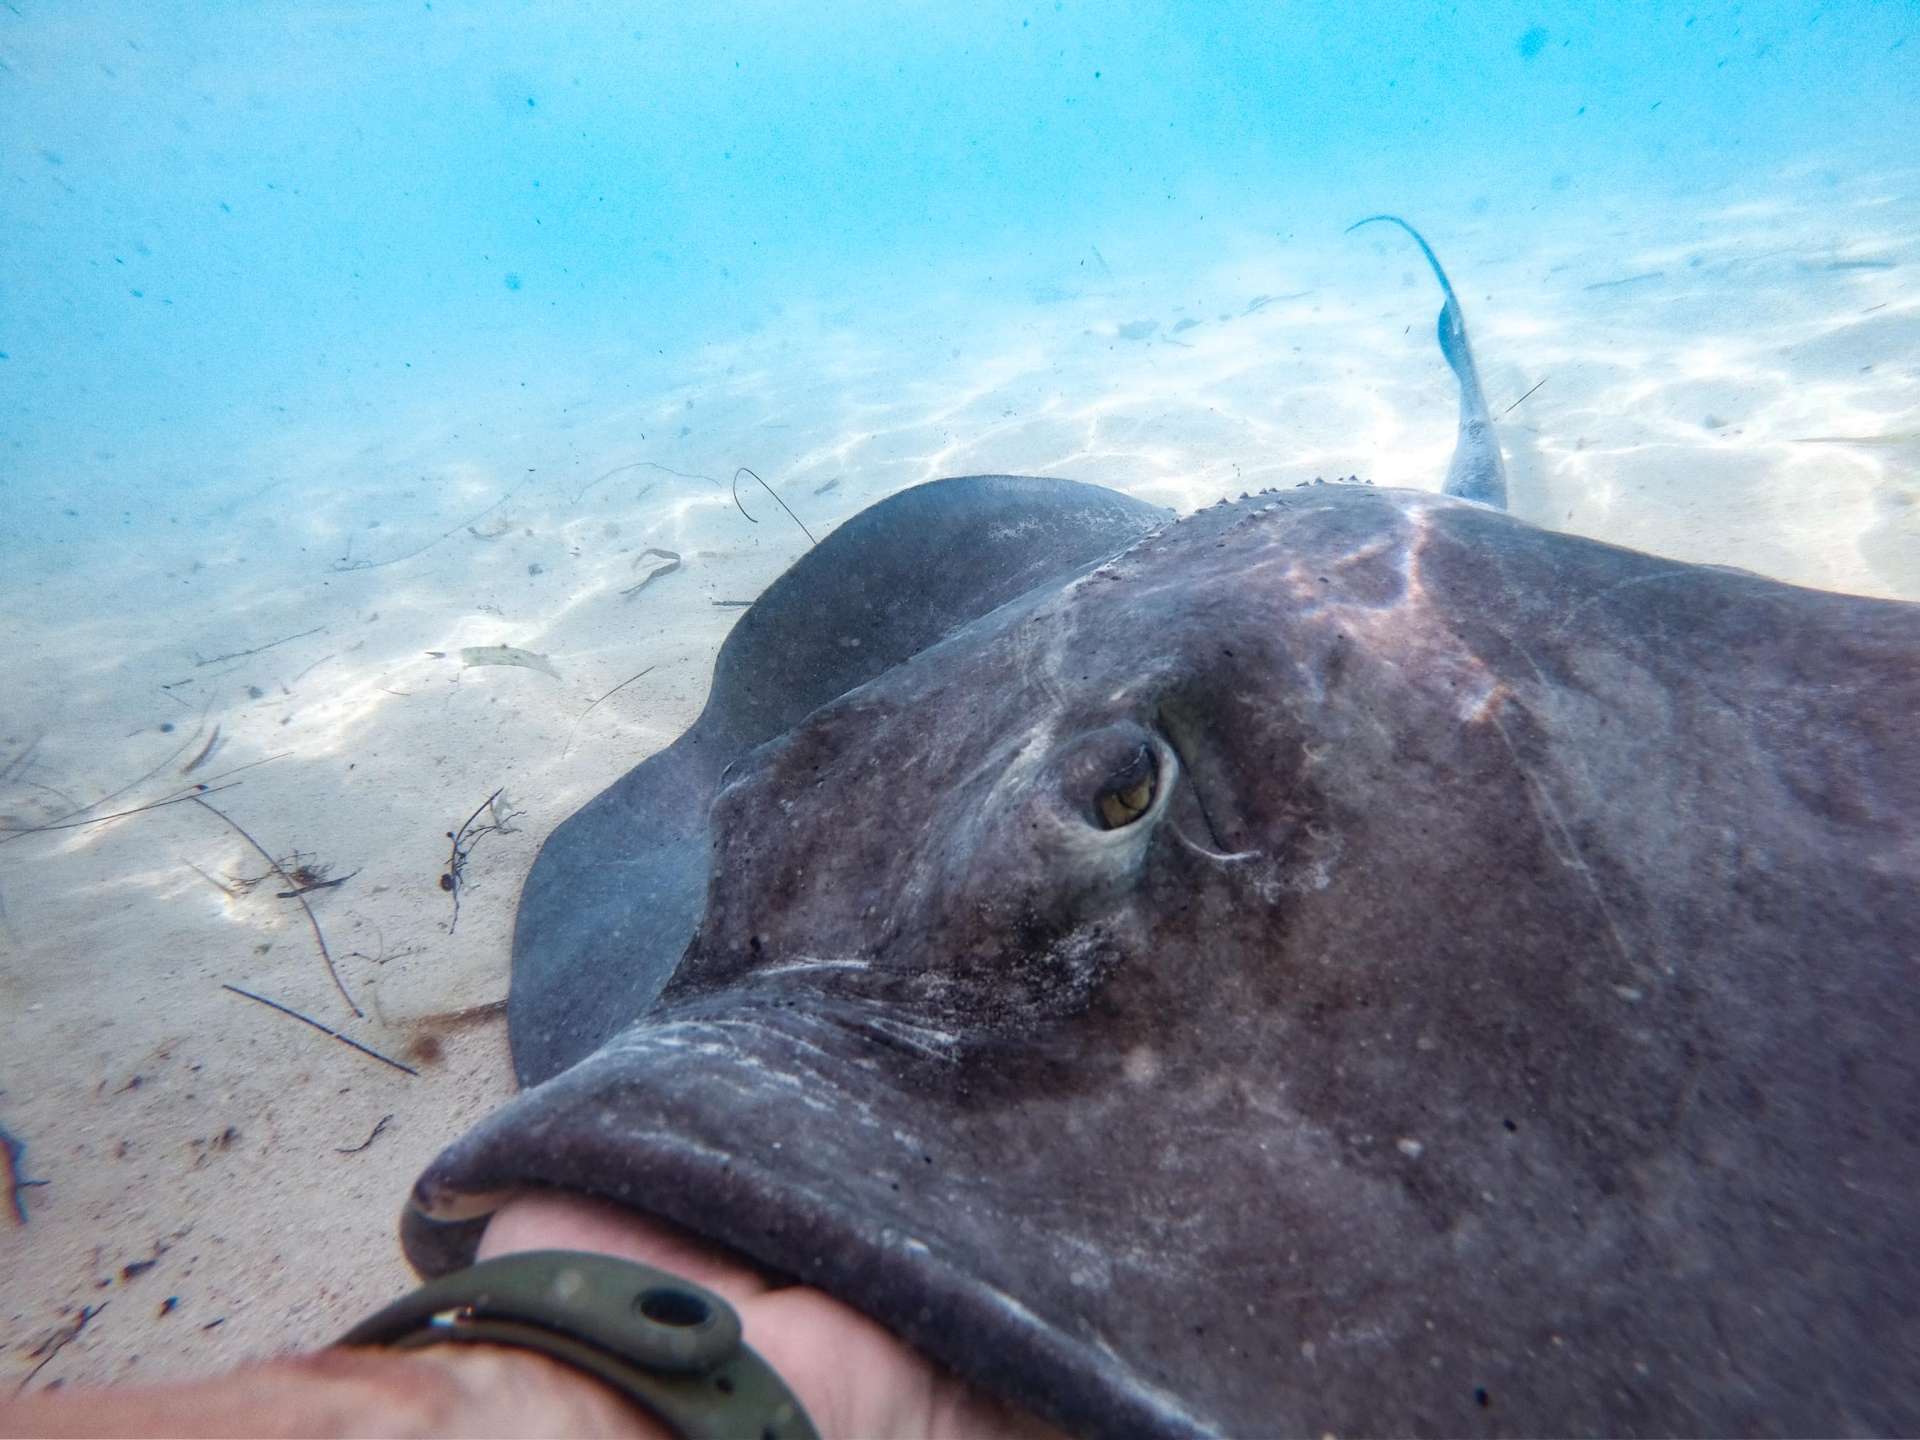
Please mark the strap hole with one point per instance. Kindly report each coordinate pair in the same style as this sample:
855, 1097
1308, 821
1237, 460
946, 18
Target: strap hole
681, 1309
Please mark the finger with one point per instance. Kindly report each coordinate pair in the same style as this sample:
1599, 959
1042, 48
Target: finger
852, 1377
855, 1378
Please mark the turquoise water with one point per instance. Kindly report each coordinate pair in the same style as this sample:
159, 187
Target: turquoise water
225, 222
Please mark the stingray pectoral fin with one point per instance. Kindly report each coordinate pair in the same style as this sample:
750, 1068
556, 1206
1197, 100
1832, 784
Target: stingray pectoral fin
611, 901
1476, 471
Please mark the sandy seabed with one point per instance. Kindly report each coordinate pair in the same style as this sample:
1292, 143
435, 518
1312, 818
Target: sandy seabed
1739, 384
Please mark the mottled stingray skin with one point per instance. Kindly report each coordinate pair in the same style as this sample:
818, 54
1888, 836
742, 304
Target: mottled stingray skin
617, 890
1502, 1019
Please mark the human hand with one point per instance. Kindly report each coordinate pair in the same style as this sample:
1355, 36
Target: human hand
853, 1377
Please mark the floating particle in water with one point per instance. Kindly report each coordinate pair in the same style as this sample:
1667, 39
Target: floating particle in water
1532, 42
512, 281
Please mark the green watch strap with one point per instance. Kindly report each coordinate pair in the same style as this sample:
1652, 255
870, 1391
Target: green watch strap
669, 1345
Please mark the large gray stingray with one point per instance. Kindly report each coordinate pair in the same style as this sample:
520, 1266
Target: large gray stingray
1344, 961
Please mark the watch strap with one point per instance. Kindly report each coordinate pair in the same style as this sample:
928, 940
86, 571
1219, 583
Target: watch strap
670, 1346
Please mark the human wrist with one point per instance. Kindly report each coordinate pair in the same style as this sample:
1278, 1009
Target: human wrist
479, 1389
466, 1390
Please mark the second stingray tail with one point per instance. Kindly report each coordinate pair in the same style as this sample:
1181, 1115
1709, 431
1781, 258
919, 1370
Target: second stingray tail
1476, 471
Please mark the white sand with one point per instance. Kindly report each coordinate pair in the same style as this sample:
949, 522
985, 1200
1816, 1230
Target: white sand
1755, 401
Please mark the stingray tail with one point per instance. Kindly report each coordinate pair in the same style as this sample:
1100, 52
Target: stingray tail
1476, 471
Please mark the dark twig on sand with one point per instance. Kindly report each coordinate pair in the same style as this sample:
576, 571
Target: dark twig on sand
293, 885
287, 689
200, 790
382, 955
345, 563
589, 710
323, 1029
616, 690
200, 664
206, 753
177, 752
743, 470
1524, 398
465, 838
1625, 280
581, 493
55, 791
380, 1125
70, 820
19, 763
13, 1156
251, 764
59, 1341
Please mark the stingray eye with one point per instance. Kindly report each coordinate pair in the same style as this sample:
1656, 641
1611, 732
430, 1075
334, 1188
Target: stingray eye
1129, 794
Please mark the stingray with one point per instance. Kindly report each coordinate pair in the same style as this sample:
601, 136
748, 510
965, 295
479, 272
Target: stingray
1345, 960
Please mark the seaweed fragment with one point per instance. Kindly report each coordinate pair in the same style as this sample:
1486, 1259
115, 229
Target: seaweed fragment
743, 470
379, 1126
308, 886
499, 822
672, 557
472, 655
300, 871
